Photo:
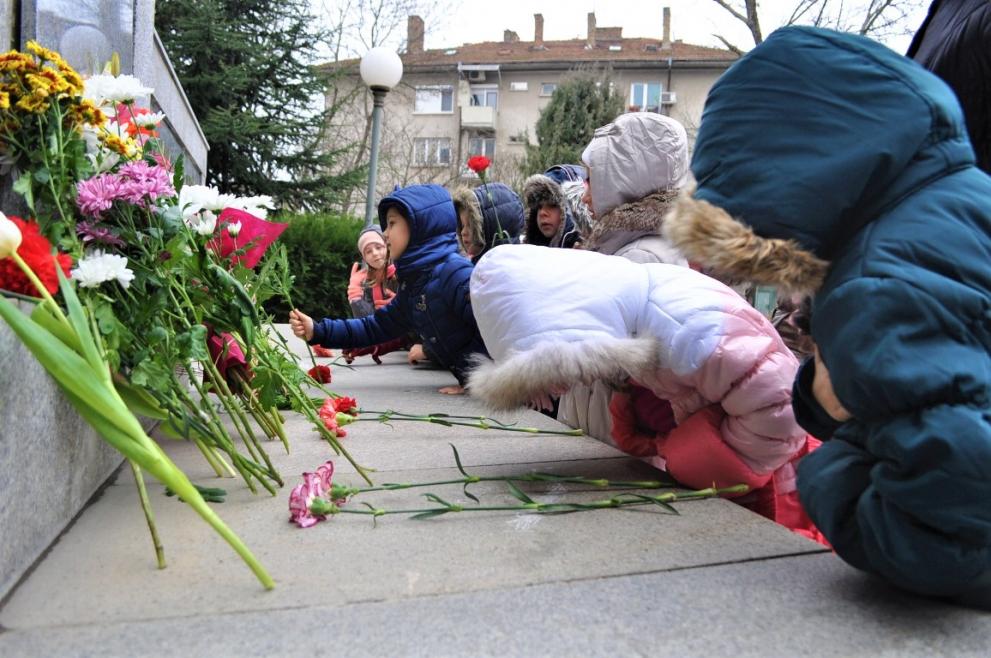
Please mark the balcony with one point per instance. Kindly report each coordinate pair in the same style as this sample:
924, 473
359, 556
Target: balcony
478, 116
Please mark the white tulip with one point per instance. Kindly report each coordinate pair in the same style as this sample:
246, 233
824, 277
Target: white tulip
10, 236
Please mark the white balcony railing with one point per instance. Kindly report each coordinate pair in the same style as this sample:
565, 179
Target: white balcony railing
478, 116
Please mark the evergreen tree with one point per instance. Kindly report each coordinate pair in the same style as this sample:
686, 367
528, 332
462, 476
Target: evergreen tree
579, 105
247, 68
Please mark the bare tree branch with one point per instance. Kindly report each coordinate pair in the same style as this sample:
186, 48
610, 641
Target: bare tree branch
728, 45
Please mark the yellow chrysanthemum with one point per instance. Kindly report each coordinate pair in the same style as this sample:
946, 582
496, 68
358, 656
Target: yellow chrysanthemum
33, 103
4, 100
73, 79
45, 53
17, 61
124, 147
85, 112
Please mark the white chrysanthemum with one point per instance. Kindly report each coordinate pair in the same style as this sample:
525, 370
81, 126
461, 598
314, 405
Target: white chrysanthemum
148, 120
98, 267
234, 228
194, 198
203, 222
253, 205
110, 90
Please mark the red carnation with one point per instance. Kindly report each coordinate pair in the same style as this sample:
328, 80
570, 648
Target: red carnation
322, 351
478, 163
36, 251
346, 405
320, 374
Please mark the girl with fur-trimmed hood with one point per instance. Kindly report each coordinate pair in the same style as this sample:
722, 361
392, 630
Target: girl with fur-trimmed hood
853, 178
636, 166
549, 222
681, 336
480, 218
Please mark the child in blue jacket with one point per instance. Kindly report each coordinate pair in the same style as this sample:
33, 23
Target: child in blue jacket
419, 223
828, 164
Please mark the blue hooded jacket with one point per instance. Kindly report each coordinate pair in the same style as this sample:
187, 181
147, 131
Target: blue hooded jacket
827, 163
487, 215
433, 287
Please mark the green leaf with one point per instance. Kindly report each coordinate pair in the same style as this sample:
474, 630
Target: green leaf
457, 460
469, 494
80, 324
138, 400
25, 188
519, 495
429, 514
42, 175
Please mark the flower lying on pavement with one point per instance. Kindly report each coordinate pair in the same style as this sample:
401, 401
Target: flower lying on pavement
317, 496
346, 405
322, 351
333, 419
320, 374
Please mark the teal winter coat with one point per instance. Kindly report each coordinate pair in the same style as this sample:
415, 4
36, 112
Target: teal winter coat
827, 163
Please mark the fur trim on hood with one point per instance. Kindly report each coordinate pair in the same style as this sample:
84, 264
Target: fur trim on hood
465, 200
573, 193
708, 235
645, 217
539, 190
556, 365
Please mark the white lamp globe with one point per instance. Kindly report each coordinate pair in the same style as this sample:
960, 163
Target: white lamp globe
381, 68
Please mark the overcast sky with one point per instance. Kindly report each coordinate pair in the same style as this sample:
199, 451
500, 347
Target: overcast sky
692, 21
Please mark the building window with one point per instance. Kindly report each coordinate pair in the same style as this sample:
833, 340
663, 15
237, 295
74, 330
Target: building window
645, 96
485, 96
434, 100
547, 88
519, 86
432, 151
482, 146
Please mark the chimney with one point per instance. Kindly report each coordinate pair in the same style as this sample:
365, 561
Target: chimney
538, 29
666, 42
591, 29
508, 36
414, 35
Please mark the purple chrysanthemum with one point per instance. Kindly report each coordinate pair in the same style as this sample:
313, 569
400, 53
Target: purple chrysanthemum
96, 195
141, 182
91, 233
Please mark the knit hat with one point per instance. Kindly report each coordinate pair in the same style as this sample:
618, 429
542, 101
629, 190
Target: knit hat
368, 236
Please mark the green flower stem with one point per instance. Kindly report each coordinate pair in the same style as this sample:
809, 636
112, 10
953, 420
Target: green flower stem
388, 416
208, 455
149, 517
243, 465
599, 483
306, 408
36, 282
321, 506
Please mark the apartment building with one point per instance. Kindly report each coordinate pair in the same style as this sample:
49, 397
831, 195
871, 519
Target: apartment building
485, 98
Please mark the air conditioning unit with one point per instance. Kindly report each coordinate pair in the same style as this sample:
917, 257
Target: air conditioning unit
668, 98
476, 76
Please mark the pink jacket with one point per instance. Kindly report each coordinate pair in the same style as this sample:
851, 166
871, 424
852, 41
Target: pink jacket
381, 294
551, 318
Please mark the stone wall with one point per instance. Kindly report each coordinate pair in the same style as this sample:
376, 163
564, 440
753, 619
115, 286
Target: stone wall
51, 461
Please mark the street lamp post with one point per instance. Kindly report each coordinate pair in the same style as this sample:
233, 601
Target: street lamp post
381, 69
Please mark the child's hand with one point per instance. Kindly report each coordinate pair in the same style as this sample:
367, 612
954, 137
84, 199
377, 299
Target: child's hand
822, 389
302, 324
451, 390
416, 354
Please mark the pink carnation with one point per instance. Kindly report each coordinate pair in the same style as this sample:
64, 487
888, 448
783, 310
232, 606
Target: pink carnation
303, 496
97, 195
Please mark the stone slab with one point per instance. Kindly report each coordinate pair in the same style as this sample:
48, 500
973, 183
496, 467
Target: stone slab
810, 605
42, 439
104, 569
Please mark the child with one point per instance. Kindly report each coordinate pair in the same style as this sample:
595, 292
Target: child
852, 177
722, 372
636, 165
373, 285
480, 218
548, 221
419, 223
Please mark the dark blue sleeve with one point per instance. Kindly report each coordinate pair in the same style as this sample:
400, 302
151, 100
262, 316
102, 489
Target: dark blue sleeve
387, 323
460, 304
